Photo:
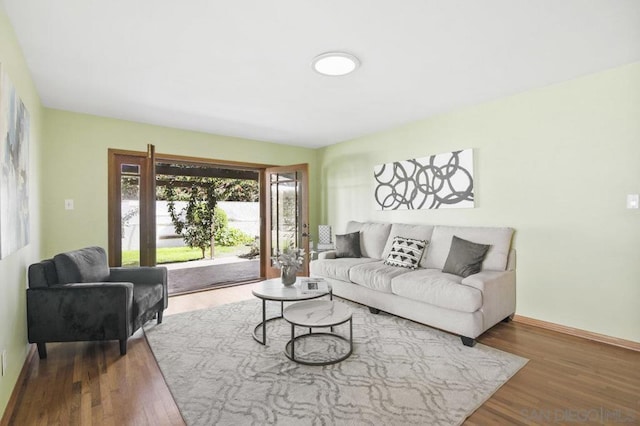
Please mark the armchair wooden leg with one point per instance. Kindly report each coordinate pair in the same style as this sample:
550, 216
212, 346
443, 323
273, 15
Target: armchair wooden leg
123, 346
160, 316
42, 350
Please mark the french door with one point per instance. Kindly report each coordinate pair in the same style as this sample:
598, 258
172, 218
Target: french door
287, 214
132, 210
132, 207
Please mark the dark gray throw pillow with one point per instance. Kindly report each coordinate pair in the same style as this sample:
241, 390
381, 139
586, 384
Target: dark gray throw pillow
465, 257
348, 245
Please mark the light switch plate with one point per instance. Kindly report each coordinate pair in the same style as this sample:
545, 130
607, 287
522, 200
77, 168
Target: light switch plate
633, 201
68, 204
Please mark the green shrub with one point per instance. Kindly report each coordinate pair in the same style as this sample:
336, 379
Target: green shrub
231, 237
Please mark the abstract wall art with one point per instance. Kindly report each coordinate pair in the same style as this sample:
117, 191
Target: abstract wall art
434, 182
14, 169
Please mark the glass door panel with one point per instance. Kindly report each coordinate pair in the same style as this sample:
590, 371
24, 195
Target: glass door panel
130, 214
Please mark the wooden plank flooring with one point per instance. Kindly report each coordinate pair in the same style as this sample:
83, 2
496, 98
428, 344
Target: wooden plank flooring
568, 380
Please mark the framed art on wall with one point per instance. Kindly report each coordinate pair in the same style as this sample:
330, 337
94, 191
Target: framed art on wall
14, 169
434, 182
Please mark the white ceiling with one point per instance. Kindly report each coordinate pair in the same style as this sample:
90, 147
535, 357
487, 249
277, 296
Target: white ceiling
243, 67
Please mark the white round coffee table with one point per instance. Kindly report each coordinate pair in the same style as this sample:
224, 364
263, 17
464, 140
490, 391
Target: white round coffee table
317, 314
274, 290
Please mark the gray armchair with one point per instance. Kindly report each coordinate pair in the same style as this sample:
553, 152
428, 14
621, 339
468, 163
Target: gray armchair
76, 297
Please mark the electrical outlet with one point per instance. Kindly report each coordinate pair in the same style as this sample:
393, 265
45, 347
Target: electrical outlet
3, 355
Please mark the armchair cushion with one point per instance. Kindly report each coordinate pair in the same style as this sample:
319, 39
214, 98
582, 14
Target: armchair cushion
82, 266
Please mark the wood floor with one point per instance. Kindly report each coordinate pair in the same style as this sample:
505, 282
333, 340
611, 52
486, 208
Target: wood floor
568, 380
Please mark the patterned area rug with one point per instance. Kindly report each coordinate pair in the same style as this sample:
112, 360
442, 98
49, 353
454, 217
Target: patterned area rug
400, 372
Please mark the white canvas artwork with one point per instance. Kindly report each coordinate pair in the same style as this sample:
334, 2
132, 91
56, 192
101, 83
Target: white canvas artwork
434, 182
14, 168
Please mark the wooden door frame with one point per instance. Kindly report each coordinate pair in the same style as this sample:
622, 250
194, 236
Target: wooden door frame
305, 234
147, 207
115, 234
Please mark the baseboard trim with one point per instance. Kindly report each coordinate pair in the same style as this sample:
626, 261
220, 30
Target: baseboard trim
15, 394
602, 338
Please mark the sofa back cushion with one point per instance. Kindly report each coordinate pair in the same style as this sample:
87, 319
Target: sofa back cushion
373, 237
82, 266
417, 232
498, 238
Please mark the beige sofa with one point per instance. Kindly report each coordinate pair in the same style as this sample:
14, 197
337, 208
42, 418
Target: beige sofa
463, 306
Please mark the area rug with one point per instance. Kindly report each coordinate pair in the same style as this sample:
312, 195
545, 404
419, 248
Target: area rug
400, 372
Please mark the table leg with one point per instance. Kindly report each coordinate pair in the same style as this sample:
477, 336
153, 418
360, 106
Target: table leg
351, 334
264, 322
293, 343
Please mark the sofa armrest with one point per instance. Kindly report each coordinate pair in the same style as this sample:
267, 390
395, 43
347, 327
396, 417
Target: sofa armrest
82, 311
330, 254
498, 294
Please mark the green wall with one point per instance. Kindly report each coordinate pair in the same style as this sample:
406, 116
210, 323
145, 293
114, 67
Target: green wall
13, 329
555, 164
76, 168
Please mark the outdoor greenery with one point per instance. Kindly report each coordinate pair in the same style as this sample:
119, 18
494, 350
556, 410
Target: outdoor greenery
177, 254
202, 224
224, 235
223, 189
196, 222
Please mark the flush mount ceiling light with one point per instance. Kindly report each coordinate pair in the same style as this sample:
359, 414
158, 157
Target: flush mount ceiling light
335, 63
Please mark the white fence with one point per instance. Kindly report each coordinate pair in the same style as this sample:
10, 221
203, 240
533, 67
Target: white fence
242, 215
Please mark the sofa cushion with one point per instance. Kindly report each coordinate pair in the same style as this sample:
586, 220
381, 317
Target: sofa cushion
373, 237
348, 245
437, 288
82, 266
375, 275
498, 238
465, 257
405, 252
336, 268
418, 232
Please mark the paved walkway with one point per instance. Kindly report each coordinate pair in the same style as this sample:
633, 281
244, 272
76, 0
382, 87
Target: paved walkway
205, 274
205, 262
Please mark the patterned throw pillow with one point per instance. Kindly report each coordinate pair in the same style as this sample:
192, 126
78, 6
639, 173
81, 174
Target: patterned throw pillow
406, 252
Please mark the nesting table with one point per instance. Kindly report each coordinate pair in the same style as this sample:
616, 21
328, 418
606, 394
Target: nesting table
274, 290
317, 314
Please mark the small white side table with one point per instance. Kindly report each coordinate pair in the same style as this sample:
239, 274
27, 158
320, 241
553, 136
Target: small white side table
317, 314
